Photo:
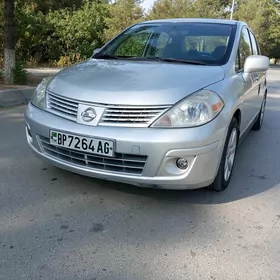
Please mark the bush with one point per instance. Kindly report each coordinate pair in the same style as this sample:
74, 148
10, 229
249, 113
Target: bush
20, 74
60, 37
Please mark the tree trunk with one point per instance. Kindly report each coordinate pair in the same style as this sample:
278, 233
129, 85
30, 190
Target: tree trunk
9, 41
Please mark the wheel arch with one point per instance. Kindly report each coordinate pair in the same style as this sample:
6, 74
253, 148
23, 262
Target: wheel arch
237, 115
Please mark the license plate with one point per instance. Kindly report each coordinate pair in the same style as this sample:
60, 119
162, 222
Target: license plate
81, 143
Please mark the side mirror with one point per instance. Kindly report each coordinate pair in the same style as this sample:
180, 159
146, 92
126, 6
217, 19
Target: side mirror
96, 51
256, 63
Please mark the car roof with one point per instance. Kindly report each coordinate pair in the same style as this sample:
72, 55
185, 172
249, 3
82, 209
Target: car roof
202, 20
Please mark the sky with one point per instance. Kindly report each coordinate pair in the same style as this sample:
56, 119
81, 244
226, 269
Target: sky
147, 4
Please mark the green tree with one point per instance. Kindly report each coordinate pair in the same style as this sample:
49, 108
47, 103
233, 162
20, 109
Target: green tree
123, 13
162, 9
68, 30
211, 8
65, 35
33, 33
9, 41
275, 53
1, 32
80, 31
262, 16
44, 6
188, 9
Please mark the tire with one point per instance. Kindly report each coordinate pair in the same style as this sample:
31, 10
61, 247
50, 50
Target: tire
258, 124
224, 174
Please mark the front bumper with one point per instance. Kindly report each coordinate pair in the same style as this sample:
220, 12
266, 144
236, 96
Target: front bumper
200, 146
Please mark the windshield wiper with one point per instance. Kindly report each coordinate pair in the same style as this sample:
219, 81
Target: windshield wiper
110, 56
194, 62
156, 58
106, 56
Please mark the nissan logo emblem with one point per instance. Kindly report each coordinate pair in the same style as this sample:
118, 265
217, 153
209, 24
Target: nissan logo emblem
88, 115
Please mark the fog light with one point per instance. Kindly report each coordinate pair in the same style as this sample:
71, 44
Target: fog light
182, 163
28, 134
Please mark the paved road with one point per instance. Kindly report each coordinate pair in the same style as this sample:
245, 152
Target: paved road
58, 225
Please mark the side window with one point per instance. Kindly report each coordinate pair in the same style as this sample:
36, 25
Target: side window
254, 44
237, 61
244, 49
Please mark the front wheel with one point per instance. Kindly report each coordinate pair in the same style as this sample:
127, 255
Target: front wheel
224, 174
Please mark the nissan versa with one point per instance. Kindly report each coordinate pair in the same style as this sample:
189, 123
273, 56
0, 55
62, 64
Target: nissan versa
163, 104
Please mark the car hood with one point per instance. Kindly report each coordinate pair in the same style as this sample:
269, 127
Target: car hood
127, 82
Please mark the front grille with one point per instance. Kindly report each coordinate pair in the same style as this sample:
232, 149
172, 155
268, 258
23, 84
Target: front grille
131, 115
114, 115
62, 106
121, 163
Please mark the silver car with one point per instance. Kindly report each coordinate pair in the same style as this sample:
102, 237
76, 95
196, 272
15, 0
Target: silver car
163, 104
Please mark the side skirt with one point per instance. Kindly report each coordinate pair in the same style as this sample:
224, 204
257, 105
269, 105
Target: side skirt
248, 129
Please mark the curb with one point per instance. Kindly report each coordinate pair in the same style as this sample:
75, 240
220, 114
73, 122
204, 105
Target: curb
14, 97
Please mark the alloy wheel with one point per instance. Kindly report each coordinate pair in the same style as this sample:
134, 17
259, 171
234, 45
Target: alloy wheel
230, 155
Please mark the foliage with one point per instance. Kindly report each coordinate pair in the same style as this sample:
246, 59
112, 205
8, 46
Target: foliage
189, 8
33, 32
1, 29
211, 8
63, 32
122, 14
44, 6
275, 53
20, 74
77, 32
62, 36
264, 20
170, 9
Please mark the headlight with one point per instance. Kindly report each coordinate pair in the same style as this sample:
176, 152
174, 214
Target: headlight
39, 96
194, 110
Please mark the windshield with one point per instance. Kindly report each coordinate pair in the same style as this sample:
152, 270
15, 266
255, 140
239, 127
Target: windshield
208, 43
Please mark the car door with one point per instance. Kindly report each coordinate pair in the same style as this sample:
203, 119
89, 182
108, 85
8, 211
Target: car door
248, 83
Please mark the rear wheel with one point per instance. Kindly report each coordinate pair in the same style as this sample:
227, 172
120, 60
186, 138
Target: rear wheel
259, 121
224, 174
